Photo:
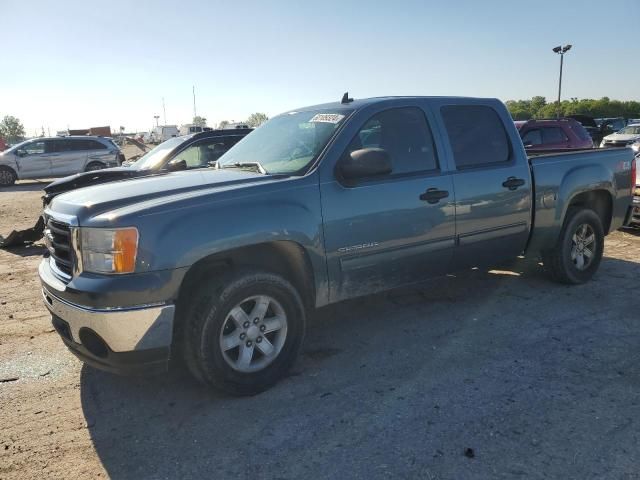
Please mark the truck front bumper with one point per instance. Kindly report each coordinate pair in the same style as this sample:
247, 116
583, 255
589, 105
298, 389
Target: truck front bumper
127, 340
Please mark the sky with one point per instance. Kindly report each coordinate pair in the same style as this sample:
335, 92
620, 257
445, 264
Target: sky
79, 64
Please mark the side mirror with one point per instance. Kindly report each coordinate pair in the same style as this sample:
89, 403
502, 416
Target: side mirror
21, 153
176, 164
366, 162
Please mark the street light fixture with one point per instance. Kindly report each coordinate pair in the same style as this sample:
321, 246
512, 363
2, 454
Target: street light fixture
561, 51
156, 117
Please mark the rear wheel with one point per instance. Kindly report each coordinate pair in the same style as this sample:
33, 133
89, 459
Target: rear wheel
7, 176
243, 332
578, 252
93, 166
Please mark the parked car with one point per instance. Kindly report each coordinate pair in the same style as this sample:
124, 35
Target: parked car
611, 125
318, 205
185, 152
560, 134
163, 133
57, 157
191, 128
178, 153
625, 137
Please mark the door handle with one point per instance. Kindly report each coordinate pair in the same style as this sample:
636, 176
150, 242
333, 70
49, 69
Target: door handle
433, 195
513, 183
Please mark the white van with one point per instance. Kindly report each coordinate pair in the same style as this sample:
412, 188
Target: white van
190, 128
164, 132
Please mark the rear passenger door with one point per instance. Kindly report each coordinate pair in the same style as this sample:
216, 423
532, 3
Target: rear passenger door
69, 157
492, 182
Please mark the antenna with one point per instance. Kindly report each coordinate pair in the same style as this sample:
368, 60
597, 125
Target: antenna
345, 98
194, 101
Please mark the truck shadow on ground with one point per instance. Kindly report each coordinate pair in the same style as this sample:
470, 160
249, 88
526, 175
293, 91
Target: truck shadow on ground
399, 383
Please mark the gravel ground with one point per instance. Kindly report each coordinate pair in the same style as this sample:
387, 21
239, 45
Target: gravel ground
485, 374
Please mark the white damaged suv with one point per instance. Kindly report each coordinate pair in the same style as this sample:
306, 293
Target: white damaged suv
57, 157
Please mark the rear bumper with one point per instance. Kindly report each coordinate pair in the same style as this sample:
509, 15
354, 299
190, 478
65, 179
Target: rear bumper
635, 210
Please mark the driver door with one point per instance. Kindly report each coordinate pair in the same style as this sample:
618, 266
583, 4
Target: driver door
389, 230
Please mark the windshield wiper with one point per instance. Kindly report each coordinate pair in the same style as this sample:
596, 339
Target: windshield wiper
254, 165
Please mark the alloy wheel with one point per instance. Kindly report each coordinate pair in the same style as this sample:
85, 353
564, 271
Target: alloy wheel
583, 246
253, 333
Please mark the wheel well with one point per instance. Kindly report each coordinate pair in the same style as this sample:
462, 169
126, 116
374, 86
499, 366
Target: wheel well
7, 167
599, 201
285, 258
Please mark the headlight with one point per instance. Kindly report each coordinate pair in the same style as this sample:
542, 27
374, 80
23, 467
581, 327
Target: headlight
109, 250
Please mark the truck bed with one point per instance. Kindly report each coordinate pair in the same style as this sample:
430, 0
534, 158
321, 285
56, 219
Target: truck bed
560, 177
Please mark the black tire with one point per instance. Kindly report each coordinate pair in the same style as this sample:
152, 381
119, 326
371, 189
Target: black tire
93, 166
202, 327
559, 262
7, 176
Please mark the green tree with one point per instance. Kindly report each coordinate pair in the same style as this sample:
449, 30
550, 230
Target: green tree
11, 129
199, 121
257, 119
222, 125
538, 107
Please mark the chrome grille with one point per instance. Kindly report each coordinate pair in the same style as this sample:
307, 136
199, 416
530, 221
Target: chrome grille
57, 237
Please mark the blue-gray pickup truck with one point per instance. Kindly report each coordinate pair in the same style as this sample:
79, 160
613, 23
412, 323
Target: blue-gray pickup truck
220, 266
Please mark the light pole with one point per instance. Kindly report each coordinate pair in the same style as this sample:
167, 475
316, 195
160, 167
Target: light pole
561, 51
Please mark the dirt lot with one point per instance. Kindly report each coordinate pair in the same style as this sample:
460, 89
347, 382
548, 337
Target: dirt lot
540, 380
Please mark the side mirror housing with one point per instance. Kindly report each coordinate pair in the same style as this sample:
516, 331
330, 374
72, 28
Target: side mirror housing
365, 163
20, 153
176, 164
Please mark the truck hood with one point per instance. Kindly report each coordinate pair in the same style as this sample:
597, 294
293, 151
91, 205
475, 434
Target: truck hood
622, 137
92, 201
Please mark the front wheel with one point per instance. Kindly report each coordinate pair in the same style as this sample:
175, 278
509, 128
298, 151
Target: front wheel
7, 176
578, 252
244, 332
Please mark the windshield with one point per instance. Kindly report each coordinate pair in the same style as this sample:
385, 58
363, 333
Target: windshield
154, 158
630, 130
287, 143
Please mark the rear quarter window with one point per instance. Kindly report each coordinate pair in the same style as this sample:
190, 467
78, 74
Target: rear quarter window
581, 132
476, 134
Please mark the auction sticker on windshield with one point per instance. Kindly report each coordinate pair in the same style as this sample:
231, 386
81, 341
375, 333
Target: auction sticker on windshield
327, 118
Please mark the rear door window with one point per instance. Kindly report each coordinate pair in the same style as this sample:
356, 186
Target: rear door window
554, 135
477, 135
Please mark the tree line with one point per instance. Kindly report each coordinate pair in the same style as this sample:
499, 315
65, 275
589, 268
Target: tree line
538, 107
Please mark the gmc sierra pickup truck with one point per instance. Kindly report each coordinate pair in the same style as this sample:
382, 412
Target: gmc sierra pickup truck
221, 265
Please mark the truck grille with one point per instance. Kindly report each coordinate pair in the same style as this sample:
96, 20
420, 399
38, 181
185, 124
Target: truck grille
57, 236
